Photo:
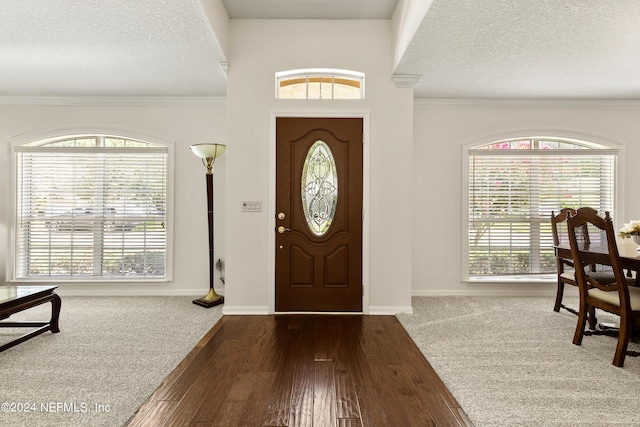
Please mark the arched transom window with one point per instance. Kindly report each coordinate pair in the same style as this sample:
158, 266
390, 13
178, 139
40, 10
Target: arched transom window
514, 185
319, 83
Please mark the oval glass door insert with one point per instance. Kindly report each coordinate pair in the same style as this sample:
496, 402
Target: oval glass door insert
319, 188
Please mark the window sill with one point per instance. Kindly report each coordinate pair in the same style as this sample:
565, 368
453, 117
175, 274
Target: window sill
89, 281
538, 278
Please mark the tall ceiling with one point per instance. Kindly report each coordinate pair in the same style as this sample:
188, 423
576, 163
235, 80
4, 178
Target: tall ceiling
463, 49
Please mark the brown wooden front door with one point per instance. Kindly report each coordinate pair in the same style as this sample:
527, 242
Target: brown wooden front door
318, 214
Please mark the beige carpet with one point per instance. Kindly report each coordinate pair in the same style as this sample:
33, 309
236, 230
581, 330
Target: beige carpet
508, 361
511, 362
111, 354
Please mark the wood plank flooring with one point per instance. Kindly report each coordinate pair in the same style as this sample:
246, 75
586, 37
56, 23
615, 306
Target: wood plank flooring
303, 370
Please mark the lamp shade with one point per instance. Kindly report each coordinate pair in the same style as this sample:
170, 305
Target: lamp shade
208, 151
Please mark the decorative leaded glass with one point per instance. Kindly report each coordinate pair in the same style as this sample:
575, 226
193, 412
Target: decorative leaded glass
319, 188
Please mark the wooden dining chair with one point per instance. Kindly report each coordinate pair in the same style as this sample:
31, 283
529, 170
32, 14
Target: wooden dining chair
615, 297
564, 266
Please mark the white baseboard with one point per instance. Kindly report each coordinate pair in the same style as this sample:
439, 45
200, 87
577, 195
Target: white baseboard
70, 290
389, 310
529, 292
245, 310
132, 292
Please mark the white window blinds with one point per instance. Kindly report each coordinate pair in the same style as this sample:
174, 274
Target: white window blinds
512, 190
91, 208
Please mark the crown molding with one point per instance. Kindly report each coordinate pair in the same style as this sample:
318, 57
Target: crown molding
574, 104
406, 80
117, 101
400, 81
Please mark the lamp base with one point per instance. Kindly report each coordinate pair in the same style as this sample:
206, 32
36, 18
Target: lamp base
210, 300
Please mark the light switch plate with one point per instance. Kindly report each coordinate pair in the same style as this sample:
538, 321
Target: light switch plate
251, 206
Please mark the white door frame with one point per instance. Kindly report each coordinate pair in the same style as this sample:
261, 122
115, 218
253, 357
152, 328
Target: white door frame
271, 203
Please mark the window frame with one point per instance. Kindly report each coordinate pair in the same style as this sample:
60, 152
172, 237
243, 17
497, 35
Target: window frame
602, 147
12, 206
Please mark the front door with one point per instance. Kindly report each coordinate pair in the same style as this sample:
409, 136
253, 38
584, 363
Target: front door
318, 214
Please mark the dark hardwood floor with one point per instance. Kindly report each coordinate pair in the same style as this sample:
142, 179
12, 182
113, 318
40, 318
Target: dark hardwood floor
303, 370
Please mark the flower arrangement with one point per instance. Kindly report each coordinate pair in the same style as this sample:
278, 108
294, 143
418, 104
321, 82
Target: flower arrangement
631, 228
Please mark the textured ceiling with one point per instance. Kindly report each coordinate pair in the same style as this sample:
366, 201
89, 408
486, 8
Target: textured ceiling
107, 48
568, 49
472, 49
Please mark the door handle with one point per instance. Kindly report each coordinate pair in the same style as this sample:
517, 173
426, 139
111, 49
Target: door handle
281, 229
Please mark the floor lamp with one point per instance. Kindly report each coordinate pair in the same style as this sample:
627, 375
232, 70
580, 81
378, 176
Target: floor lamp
208, 153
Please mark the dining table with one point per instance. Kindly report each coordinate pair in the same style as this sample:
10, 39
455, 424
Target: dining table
628, 251
629, 254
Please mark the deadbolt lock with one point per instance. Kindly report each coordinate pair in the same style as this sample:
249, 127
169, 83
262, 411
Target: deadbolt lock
281, 215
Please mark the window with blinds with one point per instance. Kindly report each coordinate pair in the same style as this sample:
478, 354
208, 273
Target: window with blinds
513, 187
91, 207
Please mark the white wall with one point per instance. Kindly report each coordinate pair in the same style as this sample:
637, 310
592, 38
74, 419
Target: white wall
413, 165
181, 126
258, 49
439, 137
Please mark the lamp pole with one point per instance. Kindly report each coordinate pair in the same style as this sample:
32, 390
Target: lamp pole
208, 153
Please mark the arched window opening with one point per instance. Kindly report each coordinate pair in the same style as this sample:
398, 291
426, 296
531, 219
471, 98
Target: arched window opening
91, 207
514, 185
